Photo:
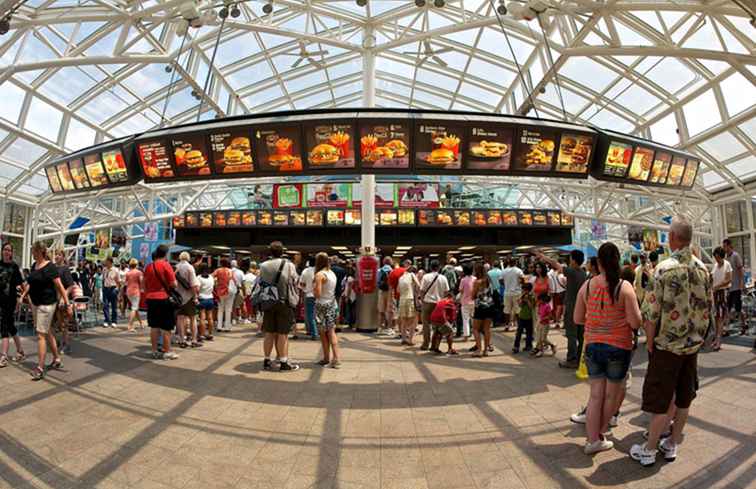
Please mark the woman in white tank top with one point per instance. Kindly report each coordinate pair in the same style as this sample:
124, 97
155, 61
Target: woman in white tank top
324, 289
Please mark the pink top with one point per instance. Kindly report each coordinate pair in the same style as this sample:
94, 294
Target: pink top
544, 312
466, 289
134, 282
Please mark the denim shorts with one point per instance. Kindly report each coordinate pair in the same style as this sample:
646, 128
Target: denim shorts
206, 304
607, 362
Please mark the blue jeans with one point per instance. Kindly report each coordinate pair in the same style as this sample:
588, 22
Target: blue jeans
312, 329
110, 300
607, 362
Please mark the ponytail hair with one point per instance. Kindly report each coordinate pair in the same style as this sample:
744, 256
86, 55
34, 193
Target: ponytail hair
609, 259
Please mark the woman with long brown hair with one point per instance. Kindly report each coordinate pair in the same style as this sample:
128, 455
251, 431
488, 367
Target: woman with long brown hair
324, 289
44, 288
484, 312
608, 307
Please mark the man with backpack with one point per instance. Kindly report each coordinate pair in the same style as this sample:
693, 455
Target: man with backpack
275, 292
385, 300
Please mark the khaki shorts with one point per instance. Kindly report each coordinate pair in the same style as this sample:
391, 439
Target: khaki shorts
43, 317
511, 304
385, 302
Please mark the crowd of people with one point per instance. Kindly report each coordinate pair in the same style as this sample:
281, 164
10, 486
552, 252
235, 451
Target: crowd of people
602, 305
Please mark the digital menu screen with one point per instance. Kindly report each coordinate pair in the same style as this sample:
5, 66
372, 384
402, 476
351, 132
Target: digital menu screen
190, 155
574, 153
178, 221
567, 220
617, 159
640, 168
462, 218
314, 218
64, 174
406, 217
479, 218
219, 219
554, 218
352, 217
248, 218
264, 218
675, 171
280, 218
330, 146
509, 218
231, 152
689, 177
384, 145
53, 180
388, 217
234, 218
335, 217
444, 218
489, 148
191, 220
278, 149
535, 149
78, 174
297, 218
95, 170
525, 218
115, 166
661, 167
437, 146
426, 217
539, 218
206, 219
155, 161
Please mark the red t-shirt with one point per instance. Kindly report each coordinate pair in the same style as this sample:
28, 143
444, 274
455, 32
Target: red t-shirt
444, 312
393, 279
222, 281
153, 286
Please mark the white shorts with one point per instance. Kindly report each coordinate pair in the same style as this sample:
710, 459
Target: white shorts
511, 304
43, 317
134, 302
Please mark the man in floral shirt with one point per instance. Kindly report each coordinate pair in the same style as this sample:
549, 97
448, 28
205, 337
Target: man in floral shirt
676, 315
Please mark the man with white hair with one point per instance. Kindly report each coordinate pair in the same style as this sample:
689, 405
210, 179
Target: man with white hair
188, 287
238, 277
676, 316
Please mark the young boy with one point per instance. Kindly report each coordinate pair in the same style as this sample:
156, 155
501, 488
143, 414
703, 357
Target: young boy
442, 318
542, 329
525, 318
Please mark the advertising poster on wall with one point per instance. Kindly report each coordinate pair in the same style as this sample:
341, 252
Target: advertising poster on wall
288, 195
385, 195
328, 194
418, 195
102, 239
650, 240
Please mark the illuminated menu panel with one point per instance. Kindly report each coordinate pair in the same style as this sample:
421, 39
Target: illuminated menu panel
231, 152
248, 218
64, 174
661, 166
353, 217
384, 145
641, 165
219, 219
462, 218
535, 149
335, 217
525, 218
115, 166
280, 218
192, 220
95, 170
78, 174
155, 160
676, 171
278, 149
330, 146
298, 218
53, 180
691, 170
179, 221
315, 217
509, 218
617, 159
489, 147
264, 218
574, 153
234, 218
190, 155
438, 145
206, 219
554, 218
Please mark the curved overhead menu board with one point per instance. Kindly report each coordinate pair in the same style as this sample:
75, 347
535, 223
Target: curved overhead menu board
390, 141
53, 180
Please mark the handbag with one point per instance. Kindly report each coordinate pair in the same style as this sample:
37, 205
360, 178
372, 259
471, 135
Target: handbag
486, 299
421, 298
174, 298
266, 296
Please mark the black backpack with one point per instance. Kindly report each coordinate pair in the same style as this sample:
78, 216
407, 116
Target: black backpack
383, 281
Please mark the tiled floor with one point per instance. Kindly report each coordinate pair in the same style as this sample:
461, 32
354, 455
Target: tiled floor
391, 418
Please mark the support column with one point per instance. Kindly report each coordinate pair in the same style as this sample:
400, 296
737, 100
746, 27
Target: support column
367, 264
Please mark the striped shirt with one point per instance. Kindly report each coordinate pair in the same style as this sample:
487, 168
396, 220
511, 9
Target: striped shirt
606, 321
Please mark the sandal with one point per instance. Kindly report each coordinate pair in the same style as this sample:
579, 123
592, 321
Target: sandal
196, 344
183, 344
3, 361
37, 373
323, 363
452, 352
209, 337
55, 365
20, 357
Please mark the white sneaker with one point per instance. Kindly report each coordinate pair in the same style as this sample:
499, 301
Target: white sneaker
640, 453
668, 449
580, 417
170, 356
614, 421
597, 446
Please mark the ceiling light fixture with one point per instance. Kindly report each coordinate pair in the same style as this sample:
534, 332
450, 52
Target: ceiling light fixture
439, 3
235, 12
268, 8
361, 3
223, 13
420, 3
5, 25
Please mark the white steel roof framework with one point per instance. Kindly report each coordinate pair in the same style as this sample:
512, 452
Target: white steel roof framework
75, 73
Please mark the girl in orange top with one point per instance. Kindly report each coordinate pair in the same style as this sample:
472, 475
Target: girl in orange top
608, 308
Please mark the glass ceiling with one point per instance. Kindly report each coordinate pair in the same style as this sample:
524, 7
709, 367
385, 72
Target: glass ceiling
78, 72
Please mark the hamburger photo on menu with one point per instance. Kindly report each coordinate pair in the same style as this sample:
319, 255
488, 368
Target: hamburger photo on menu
277, 149
189, 155
232, 152
438, 147
384, 146
536, 150
574, 153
